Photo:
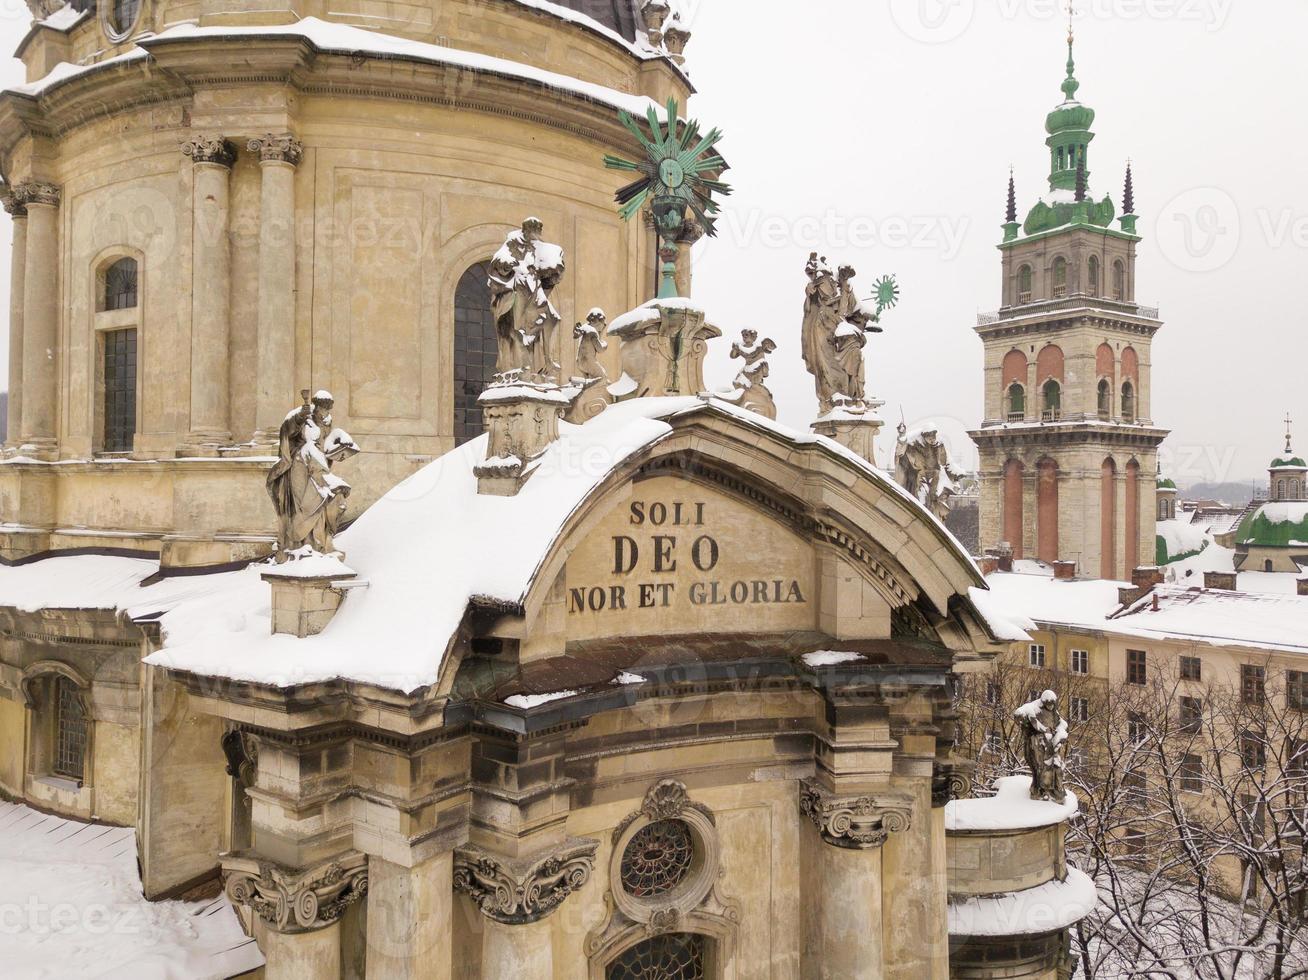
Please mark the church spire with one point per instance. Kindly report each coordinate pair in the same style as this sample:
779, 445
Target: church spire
1068, 126
1128, 193
1070, 84
1011, 224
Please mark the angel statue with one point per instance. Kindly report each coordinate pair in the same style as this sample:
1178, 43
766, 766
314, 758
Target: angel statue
309, 498
1044, 746
836, 325
523, 274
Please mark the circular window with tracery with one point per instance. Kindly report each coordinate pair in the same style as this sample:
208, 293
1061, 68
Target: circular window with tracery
674, 956
657, 859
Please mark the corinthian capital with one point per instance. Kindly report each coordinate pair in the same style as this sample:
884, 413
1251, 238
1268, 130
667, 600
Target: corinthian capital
296, 900
37, 192
856, 822
525, 890
284, 148
210, 149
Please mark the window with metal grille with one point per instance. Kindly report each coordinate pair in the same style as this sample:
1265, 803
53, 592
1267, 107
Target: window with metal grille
657, 859
673, 956
70, 731
119, 390
120, 285
475, 351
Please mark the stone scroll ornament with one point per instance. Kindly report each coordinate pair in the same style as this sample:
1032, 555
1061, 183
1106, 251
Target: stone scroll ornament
835, 329
309, 498
854, 822
678, 174
295, 901
523, 274
1044, 746
517, 892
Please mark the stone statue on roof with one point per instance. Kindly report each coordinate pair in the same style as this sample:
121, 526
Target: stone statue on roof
922, 468
1044, 747
309, 498
835, 329
523, 274
749, 389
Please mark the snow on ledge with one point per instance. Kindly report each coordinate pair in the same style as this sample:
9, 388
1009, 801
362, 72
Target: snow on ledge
528, 701
830, 658
1011, 808
1046, 908
309, 564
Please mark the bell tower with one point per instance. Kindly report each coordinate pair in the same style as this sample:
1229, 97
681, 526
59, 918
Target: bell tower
1068, 446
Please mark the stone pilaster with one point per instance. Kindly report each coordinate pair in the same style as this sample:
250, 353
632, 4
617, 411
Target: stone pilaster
211, 264
300, 909
18, 263
40, 318
275, 384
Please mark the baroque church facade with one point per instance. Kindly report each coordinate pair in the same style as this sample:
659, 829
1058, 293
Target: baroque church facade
1068, 445
551, 710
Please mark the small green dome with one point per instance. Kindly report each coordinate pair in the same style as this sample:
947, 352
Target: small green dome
1165, 484
1070, 117
1293, 463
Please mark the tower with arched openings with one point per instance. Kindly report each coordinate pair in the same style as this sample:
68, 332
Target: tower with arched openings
1068, 436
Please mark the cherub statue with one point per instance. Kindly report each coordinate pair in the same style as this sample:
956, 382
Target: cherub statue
523, 274
591, 342
922, 468
749, 388
1044, 746
309, 498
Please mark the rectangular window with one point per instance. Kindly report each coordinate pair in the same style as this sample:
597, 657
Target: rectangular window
992, 692
1135, 667
1080, 709
1296, 758
1253, 817
1192, 774
1077, 756
119, 390
1080, 661
994, 743
1137, 729
1253, 751
1038, 655
1253, 682
1191, 669
70, 731
1296, 690
1190, 714
1135, 786
1133, 841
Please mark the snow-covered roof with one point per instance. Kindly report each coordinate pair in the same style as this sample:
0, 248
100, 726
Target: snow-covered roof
1049, 907
52, 864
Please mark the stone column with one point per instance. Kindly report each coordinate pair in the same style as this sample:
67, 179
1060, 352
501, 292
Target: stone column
299, 910
210, 294
516, 895
18, 262
410, 920
275, 380
40, 318
850, 944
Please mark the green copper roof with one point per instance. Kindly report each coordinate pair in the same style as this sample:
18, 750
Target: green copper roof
1165, 484
1294, 463
1275, 525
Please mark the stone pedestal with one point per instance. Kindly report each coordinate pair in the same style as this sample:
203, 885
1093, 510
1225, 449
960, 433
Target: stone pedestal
856, 431
663, 347
306, 594
522, 419
40, 320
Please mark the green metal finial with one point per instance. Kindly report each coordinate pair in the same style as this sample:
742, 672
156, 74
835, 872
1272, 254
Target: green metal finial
674, 177
1070, 84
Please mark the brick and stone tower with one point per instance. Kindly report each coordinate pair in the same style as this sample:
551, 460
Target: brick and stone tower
1068, 447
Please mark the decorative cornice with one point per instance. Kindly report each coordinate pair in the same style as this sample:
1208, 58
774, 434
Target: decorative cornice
210, 149
292, 901
856, 822
525, 890
666, 800
37, 192
281, 149
951, 779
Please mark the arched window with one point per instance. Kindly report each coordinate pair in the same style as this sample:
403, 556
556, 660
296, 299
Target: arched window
671, 956
1128, 402
1105, 399
1092, 275
1060, 277
1016, 403
474, 350
119, 290
1024, 284
1294, 489
1014, 524
122, 16
1053, 398
70, 730
1119, 280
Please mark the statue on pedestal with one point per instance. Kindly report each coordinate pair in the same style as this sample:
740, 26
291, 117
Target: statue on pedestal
309, 498
922, 468
836, 325
750, 391
1044, 746
523, 274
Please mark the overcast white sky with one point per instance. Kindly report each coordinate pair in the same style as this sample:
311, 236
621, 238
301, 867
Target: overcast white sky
881, 133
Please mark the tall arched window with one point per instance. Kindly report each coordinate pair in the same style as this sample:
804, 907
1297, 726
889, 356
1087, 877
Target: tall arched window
1014, 526
119, 291
1108, 519
1024, 284
1105, 399
70, 731
1092, 275
1128, 402
474, 350
1047, 510
117, 327
1016, 403
1053, 401
1060, 277
1119, 280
